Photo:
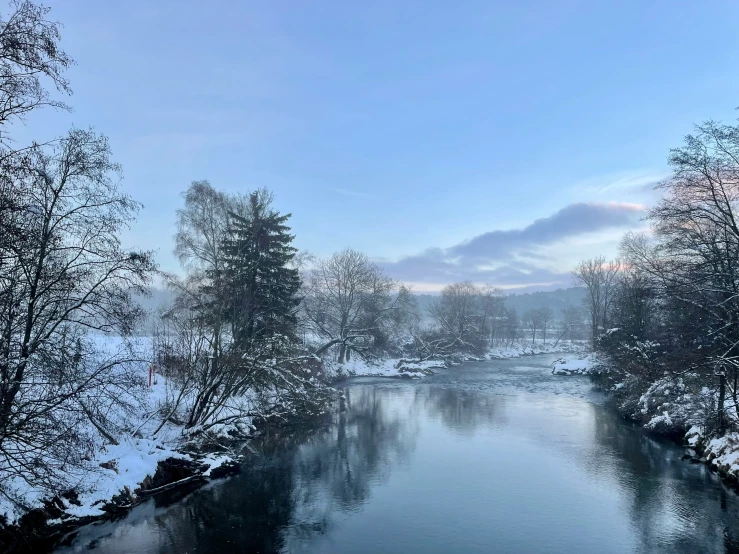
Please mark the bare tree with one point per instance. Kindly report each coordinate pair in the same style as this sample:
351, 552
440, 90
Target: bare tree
533, 320
693, 260
546, 319
512, 325
459, 315
599, 278
493, 310
347, 300
29, 52
572, 318
68, 275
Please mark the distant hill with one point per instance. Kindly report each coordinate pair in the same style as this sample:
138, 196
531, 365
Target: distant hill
555, 299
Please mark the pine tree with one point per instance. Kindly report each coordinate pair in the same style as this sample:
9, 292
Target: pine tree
261, 287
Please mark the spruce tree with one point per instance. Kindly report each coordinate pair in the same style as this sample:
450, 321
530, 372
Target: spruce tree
261, 287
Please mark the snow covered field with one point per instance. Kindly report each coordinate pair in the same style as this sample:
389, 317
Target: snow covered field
526, 349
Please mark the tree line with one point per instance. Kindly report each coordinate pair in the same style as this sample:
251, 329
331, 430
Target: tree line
668, 308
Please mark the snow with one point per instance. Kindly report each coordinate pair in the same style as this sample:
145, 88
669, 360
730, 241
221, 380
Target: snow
694, 435
215, 461
672, 403
391, 367
131, 461
395, 367
517, 350
127, 464
662, 420
723, 454
574, 365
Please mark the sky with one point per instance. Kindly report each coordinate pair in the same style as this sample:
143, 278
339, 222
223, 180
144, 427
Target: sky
494, 141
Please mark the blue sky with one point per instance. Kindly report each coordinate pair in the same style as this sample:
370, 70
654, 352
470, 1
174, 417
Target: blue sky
497, 141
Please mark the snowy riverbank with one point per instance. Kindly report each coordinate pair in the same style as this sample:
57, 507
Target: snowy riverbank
142, 446
410, 369
721, 454
120, 473
673, 406
574, 364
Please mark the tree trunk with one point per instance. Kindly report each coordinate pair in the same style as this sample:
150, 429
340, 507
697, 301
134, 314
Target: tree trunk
721, 394
342, 351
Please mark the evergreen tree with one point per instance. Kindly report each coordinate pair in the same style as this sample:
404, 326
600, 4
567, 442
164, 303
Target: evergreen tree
261, 288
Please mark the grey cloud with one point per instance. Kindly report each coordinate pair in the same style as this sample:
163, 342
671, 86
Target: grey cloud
503, 249
572, 220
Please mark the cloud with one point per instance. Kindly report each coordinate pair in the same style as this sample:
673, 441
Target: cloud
636, 181
352, 193
515, 257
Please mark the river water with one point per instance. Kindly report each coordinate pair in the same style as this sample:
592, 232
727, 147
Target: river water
487, 457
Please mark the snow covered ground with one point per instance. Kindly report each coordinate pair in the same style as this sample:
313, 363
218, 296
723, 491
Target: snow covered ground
721, 453
121, 467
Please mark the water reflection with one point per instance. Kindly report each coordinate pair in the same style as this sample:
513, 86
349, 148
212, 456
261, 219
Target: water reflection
675, 506
490, 457
462, 410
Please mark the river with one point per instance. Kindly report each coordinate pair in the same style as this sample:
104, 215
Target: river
486, 457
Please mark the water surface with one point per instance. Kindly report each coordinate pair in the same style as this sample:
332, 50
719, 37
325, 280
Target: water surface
487, 457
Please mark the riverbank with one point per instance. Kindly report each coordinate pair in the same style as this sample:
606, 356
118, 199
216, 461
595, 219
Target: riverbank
670, 407
414, 369
124, 475
143, 447
117, 478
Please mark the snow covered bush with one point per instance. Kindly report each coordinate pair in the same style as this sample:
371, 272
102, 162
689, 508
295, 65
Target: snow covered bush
674, 404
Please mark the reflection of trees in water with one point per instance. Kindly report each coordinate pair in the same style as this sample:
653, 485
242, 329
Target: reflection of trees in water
670, 508
338, 469
290, 495
462, 410
292, 491
370, 436
244, 514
